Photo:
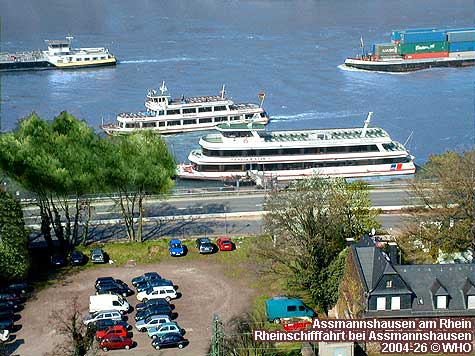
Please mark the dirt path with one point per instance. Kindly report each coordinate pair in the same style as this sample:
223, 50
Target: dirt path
205, 291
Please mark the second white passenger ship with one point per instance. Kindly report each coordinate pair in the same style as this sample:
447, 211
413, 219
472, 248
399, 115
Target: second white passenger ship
241, 150
170, 116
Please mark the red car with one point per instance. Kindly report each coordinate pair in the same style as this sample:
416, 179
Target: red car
225, 244
116, 343
112, 331
297, 325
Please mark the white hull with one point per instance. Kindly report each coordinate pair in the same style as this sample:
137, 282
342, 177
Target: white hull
169, 130
187, 172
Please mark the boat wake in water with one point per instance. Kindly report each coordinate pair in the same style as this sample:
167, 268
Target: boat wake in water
165, 60
351, 69
312, 115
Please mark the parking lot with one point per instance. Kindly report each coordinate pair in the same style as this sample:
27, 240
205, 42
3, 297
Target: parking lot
205, 290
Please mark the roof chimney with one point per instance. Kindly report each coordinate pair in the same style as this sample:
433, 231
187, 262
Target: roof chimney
393, 253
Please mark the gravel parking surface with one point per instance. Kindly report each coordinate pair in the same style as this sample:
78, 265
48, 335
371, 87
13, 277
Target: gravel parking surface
205, 290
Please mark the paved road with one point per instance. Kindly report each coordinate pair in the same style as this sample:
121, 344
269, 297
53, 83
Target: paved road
209, 215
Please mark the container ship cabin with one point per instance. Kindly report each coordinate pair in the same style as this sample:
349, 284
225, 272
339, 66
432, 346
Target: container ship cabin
241, 150
415, 49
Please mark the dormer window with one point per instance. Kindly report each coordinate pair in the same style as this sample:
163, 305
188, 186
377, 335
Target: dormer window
441, 302
395, 303
389, 284
471, 302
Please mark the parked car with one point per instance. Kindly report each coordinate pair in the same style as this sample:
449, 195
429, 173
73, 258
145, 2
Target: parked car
105, 314
108, 302
116, 343
151, 322
105, 323
225, 244
163, 329
155, 310
57, 260
10, 304
98, 256
19, 287
152, 302
112, 331
153, 283
169, 340
105, 280
116, 288
145, 277
4, 335
175, 248
13, 297
282, 308
6, 323
76, 258
204, 245
165, 292
6, 313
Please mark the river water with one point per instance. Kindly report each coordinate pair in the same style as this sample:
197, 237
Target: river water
291, 50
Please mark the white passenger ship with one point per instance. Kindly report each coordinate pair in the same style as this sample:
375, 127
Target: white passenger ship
169, 116
240, 150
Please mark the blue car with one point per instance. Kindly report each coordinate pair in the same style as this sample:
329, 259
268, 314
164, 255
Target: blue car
176, 248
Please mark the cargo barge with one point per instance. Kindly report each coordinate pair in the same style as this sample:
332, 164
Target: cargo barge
59, 55
417, 49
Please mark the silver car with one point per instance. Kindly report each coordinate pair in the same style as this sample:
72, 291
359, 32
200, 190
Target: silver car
151, 322
101, 315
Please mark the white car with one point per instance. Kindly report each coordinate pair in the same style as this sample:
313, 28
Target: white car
4, 335
162, 292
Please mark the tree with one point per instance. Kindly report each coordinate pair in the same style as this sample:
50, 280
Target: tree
57, 161
445, 186
68, 323
14, 256
138, 164
309, 223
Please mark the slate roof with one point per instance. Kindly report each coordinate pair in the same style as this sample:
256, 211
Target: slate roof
424, 282
429, 281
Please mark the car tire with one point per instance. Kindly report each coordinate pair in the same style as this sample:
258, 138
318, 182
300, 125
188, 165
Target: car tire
168, 299
157, 347
276, 321
105, 349
143, 329
180, 346
127, 347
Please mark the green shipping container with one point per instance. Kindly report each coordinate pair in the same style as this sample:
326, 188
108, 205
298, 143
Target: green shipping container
423, 47
385, 49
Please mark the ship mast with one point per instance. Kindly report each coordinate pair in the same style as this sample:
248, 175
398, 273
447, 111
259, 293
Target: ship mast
366, 124
223, 92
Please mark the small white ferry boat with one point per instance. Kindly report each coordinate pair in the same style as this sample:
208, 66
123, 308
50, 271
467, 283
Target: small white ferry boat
170, 116
243, 150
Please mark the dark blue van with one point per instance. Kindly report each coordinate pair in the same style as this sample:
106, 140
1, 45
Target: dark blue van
282, 308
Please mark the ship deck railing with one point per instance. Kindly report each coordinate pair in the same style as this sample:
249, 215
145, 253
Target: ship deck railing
320, 135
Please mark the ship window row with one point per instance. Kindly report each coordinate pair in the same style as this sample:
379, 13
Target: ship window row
297, 165
195, 110
286, 151
79, 59
151, 124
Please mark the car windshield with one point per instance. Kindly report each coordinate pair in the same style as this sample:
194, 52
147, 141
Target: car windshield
176, 246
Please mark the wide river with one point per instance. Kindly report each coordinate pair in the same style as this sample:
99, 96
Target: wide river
291, 50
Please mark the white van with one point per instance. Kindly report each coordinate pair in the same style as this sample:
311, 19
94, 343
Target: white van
108, 302
161, 292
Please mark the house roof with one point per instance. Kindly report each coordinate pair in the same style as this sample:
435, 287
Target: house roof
430, 281
424, 282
